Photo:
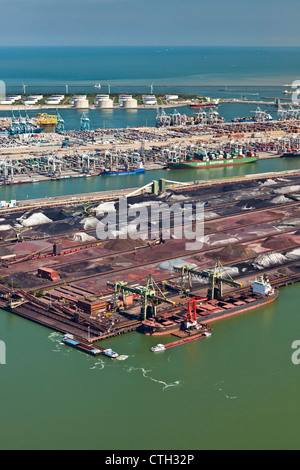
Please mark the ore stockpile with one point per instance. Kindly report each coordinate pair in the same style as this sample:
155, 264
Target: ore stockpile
55, 271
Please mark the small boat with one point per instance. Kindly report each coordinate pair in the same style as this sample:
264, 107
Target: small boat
110, 353
158, 347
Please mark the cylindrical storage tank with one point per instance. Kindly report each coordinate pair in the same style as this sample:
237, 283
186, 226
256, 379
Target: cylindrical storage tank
130, 103
81, 103
105, 103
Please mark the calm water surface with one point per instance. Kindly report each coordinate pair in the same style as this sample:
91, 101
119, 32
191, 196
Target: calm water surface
106, 183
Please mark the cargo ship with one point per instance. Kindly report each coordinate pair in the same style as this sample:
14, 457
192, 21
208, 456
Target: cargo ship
205, 310
129, 171
205, 104
212, 159
292, 154
259, 116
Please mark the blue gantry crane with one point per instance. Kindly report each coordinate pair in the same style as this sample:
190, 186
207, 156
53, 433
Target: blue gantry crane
84, 122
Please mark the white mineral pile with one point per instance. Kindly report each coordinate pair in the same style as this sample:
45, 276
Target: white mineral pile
155, 205
280, 200
34, 219
287, 189
83, 237
216, 240
210, 215
229, 272
240, 195
5, 227
89, 222
169, 265
267, 183
293, 254
268, 260
105, 207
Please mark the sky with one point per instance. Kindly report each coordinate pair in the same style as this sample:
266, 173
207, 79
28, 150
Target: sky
150, 22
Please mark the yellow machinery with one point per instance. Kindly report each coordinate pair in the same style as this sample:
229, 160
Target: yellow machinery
46, 119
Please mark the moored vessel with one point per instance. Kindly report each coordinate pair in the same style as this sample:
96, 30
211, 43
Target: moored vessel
81, 345
202, 311
130, 171
212, 158
259, 116
205, 104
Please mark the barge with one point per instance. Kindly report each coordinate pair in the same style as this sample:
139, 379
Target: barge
79, 344
189, 339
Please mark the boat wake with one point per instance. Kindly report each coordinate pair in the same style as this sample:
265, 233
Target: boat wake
122, 357
98, 365
144, 372
56, 339
220, 389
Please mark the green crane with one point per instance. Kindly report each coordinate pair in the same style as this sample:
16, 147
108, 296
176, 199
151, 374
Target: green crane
215, 277
147, 293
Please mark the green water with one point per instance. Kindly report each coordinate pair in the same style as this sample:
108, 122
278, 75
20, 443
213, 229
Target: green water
106, 183
237, 389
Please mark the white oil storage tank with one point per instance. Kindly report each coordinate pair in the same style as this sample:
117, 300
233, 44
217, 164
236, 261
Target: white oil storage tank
105, 103
128, 103
81, 103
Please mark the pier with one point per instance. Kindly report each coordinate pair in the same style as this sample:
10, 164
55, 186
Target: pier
98, 289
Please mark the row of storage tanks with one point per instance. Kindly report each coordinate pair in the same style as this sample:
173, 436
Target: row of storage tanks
103, 102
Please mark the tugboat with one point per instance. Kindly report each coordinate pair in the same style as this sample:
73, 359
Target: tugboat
158, 347
110, 353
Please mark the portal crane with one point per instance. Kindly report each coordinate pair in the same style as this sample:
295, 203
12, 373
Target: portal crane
84, 122
215, 277
147, 293
60, 123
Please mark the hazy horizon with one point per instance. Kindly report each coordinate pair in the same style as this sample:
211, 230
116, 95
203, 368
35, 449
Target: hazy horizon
138, 22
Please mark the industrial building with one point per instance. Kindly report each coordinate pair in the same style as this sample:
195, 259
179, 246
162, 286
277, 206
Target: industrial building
149, 100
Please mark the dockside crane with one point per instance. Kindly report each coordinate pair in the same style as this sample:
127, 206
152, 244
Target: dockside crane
215, 277
148, 293
60, 123
84, 122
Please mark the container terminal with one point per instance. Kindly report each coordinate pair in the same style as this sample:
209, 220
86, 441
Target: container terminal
61, 155
55, 271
